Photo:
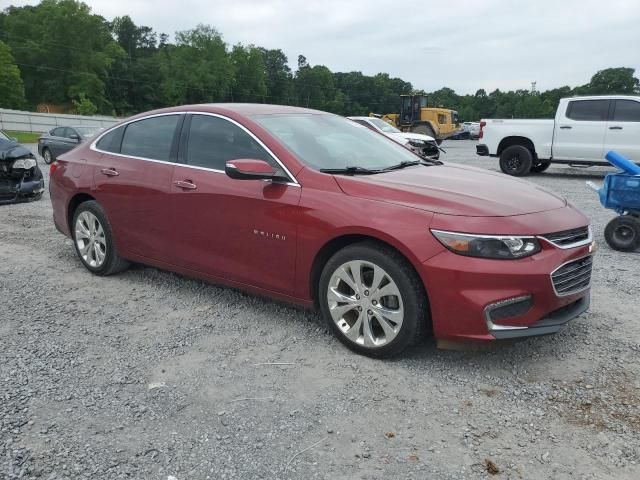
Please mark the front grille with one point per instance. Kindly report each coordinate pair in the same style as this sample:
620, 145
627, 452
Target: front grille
7, 186
568, 237
572, 277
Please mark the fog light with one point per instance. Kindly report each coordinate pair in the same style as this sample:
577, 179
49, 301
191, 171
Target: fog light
510, 308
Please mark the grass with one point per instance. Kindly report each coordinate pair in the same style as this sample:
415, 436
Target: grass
23, 137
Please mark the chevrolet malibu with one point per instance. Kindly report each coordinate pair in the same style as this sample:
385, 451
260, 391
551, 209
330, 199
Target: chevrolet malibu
313, 209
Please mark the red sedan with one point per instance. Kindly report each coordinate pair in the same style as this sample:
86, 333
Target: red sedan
311, 208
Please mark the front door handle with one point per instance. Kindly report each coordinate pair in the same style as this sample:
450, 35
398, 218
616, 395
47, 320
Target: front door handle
615, 128
110, 172
186, 184
566, 127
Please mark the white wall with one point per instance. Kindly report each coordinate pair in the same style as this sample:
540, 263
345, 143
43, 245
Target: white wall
43, 122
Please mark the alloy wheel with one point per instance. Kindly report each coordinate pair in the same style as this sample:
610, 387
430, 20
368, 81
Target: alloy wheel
47, 156
365, 303
90, 239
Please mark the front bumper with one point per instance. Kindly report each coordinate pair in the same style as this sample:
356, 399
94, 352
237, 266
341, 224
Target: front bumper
25, 189
482, 150
469, 297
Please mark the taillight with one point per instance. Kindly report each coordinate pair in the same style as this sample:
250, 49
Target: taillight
52, 168
482, 125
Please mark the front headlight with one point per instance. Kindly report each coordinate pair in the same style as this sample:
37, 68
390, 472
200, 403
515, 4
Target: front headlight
417, 143
488, 246
24, 163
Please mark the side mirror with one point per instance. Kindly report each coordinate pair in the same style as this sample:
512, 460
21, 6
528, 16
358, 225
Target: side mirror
249, 169
74, 136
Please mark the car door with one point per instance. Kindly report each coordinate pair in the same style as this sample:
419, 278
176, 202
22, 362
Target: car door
241, 230
56, 140
623, 129
580, 131
133, 183
69, 140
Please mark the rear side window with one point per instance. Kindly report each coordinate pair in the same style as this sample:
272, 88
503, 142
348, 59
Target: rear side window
150, 138
626, 111
588, 110
110, 142
213, 141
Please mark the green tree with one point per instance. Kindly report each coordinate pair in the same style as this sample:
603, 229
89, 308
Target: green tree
614, 81
11, 86
84, 106
278, 78
249, 82
63, 50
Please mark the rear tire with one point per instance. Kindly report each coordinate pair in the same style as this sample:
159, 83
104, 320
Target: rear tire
93, 240
540, 167
623, 233
373, 300
516, 160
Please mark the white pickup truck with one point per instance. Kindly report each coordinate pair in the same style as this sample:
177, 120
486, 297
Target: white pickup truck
584, 130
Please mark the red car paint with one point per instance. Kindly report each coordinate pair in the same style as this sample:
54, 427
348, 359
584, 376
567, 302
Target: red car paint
272, 238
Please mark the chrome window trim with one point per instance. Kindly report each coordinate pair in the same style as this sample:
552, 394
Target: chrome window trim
294, 182
581, 243
567, 263
492, 327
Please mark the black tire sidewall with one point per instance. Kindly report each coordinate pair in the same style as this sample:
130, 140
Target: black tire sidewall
44, 157
617, 222
540, 167
525, 156
404, 277
111, 255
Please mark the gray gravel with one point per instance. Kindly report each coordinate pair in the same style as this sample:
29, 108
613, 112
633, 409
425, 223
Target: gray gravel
151, 375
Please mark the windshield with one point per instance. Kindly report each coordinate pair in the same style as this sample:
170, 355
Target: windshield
87, 132
382, 125
333, 142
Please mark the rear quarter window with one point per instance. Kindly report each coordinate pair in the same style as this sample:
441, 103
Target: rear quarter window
111, 141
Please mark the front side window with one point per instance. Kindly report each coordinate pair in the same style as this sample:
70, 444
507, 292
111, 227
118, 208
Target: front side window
442, 118
626, 111
213, 141
150, 138
588, 110
325, 141
58, 132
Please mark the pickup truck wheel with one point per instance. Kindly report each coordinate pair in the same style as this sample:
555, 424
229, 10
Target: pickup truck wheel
540, 167
623, 233
516, 160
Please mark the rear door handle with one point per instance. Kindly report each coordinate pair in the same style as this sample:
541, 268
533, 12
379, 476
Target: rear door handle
615, 128
186, 184
110, 172
566, 127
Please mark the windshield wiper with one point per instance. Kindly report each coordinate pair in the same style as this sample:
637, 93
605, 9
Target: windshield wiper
403, 164
350, 171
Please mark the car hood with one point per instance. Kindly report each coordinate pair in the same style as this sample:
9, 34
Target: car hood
453, 190
402, 137
10, 150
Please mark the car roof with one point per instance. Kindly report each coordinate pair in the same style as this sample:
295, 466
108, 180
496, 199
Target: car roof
360, 118
245, 109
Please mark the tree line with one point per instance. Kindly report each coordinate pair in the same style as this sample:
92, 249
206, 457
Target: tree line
58, 52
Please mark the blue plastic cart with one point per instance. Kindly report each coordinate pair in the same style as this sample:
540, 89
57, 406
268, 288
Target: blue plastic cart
621, 192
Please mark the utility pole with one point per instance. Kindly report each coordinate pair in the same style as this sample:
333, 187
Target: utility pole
533, 86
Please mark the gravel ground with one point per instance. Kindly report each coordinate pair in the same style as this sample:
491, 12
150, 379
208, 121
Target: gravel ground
151, 375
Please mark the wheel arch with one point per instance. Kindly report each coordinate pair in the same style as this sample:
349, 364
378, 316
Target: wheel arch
338, 243
516, 140
74, 203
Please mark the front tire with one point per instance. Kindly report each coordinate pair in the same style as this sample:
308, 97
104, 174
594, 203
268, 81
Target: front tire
623, 233
47, 157
93, 240
373, 300
516, 160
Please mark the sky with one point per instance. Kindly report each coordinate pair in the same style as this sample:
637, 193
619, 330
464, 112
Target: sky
464, 45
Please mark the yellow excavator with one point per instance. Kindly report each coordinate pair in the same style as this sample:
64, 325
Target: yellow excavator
417, 117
